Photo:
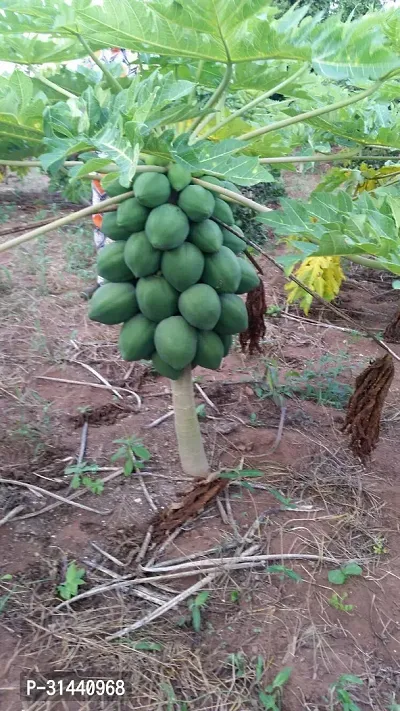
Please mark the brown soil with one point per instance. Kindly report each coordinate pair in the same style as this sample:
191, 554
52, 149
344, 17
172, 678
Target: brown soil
313, 498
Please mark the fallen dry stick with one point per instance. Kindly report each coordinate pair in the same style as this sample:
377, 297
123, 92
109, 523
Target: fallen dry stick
212, 562
11, 514
75, 495
64, 500
205, 397
204, 582
99, 377
249, 562
80, 382
159, 420
165, 608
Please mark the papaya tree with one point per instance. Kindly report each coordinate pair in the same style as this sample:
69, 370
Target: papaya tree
222, 91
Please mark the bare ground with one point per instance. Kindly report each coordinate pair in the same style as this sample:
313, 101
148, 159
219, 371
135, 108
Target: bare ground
313, 499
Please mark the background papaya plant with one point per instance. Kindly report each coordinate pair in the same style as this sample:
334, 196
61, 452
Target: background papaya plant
227, 90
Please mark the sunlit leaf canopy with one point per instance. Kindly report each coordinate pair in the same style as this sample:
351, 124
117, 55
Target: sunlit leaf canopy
292, 83
214, 30
334, 224
181, 45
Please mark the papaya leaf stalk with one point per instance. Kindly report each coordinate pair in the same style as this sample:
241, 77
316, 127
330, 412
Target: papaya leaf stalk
52, 85
112, 82
67, 220
255, 102
214, 98
327, 158
354, 98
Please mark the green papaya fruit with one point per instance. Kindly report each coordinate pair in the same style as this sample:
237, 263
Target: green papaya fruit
152, 189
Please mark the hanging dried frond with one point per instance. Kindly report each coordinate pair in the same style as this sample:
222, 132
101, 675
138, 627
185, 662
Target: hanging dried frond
256, 307
364, 410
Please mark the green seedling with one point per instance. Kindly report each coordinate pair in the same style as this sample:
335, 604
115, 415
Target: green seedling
74, 577
196, 607
274, 310
80, 477
235, 595
238, 662
379, 546
144, 645
271, 696
133, 454
339, 576
5, 578
337, 602
340, 693
239, 474
201, 411
284, 572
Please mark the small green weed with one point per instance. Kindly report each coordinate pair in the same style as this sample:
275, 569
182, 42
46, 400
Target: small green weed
337, 602
5, 578
341, 697
79, 252
339, 576
284, 572
74, 577
6, 283
80, 477
319, 384
201, 411
274, 310
196, 607
238, 662
379, 547
234, 595
7, 212
238, 474
145, 645
133, 454
39, 341
35, 261
271, 696
34, 426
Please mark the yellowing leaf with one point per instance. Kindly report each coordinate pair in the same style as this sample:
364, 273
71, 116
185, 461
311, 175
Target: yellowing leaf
375, 178
323, 275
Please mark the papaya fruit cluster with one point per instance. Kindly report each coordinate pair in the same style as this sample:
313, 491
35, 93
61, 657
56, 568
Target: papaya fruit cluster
173, 275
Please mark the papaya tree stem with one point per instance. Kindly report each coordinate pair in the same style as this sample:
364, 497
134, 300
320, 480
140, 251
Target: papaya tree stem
62, 221
190, 444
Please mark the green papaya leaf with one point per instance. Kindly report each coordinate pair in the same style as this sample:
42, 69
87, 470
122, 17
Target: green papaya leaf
111, 144
201, 598
336, 577
352, 569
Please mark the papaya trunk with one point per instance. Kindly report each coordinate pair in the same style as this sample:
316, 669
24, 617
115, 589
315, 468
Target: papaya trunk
187, 428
